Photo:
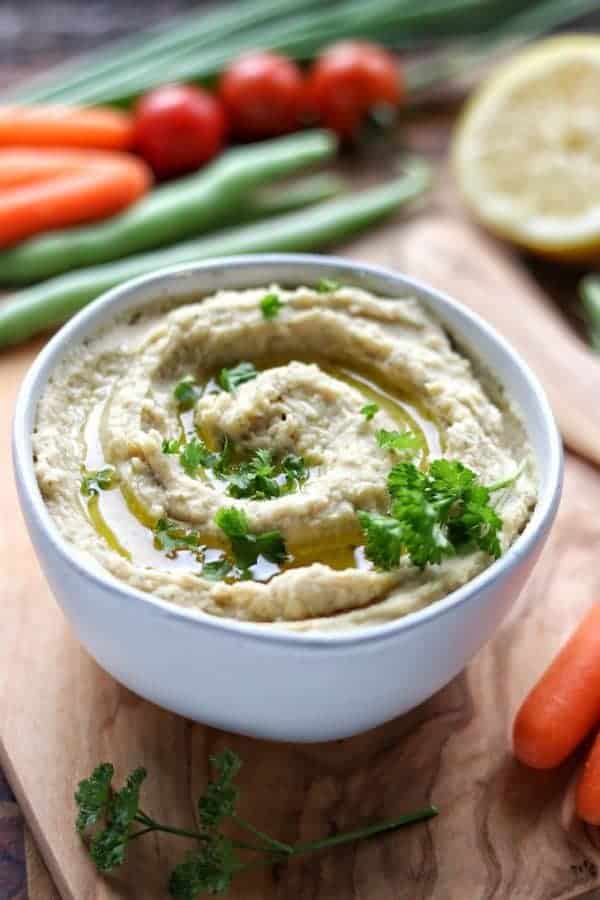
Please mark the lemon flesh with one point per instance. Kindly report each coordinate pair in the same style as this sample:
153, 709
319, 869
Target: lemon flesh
526, 152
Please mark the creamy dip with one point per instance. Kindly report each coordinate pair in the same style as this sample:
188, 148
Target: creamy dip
320, 359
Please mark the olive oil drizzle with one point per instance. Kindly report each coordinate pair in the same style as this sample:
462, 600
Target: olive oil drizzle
124, 512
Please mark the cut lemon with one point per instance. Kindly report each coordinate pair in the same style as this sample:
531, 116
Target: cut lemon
526, 152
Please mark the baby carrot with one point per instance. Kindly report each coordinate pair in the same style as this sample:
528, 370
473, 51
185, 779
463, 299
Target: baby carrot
565, 703
26, 165
83, 195
65, 126
587, 798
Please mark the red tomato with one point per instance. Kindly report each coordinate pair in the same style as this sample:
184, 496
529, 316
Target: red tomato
178, 128
348, 80
262, 94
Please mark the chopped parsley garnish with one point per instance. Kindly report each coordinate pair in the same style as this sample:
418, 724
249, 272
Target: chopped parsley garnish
255, 479
186, 393
294, 468
230, 379
434, 514
271, 306
369, 410
171, 445
217, 570
326, 285
245, 545
194, 455
171, 536
109, 820
99, 480
261, 478
399, 441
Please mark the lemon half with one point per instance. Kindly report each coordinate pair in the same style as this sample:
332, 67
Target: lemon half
526, 151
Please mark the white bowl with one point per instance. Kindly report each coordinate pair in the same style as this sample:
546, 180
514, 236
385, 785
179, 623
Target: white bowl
244, 677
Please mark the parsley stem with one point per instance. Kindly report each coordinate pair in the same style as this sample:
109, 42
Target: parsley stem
358, 834
137, 834
143, 819
271, 842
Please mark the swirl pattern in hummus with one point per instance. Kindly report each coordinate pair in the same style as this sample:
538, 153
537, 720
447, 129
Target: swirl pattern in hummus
320, 360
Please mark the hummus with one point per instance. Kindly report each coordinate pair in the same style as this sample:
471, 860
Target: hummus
320, 360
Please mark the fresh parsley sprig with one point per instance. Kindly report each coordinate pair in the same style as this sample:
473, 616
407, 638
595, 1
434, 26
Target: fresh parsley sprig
434, 514
109, 820
247, 546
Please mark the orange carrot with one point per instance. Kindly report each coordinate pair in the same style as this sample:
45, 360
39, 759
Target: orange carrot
587, 798
65, 126
85, 194
565, 703
26, 165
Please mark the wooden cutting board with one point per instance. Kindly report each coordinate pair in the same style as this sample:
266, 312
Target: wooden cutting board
504, 832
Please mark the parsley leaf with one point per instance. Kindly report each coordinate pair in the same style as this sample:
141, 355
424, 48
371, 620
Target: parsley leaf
295, 469
93, 796
230, 379
171, 537
186, 393
385, 539
326, 285
433, 514
271, 306
98, 802
220, 796
399, 441
194, 455
261, 478
209, 870
218, 570
99, 480
246, 546
369, 410
170, 445
256, 478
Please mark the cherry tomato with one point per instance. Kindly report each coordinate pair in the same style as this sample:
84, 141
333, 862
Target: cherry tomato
263, 94
348, 80
178, 128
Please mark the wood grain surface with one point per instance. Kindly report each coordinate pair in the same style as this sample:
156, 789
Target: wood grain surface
504, 833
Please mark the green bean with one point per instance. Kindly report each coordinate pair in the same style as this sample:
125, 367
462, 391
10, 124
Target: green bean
49, 304
276, 199
589, 290
170, 213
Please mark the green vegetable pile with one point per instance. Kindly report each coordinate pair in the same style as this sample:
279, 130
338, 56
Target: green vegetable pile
109, 820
